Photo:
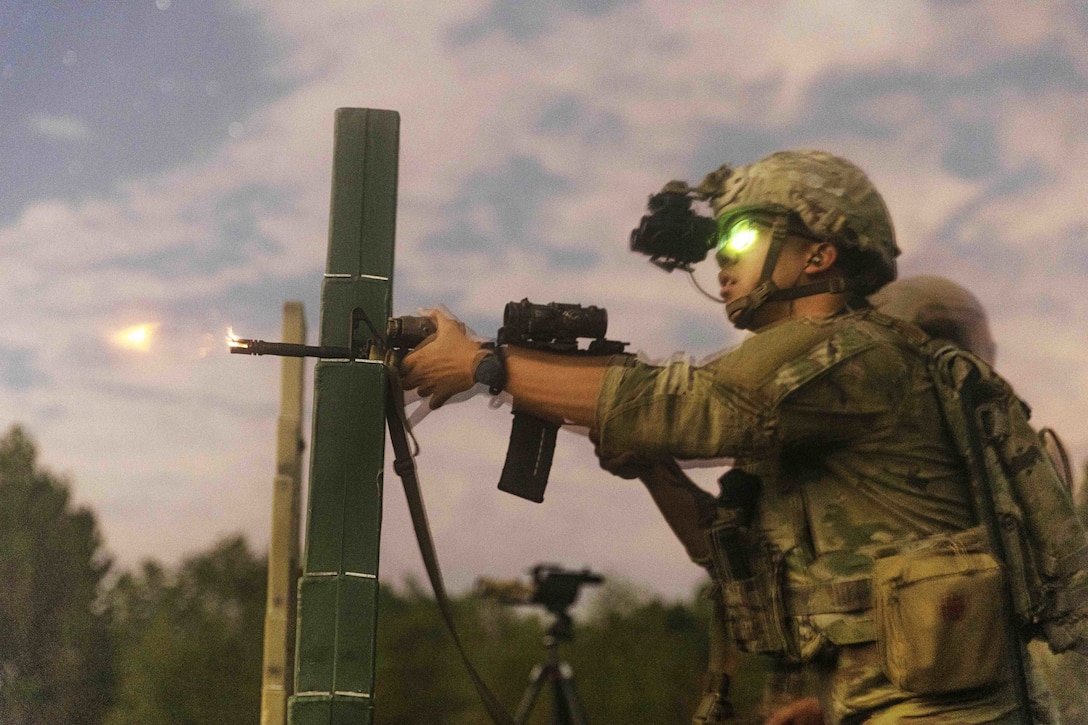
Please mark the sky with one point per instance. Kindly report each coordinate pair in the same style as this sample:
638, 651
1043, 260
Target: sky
167, 163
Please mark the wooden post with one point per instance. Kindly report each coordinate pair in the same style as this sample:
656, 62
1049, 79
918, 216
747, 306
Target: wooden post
338, 591
283, 560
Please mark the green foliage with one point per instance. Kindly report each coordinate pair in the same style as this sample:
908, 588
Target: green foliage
640, 661
189, 651
54, 648
420, 679
183, 645
189, 643
635, 658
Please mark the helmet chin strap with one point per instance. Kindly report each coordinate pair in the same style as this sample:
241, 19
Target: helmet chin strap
742, 310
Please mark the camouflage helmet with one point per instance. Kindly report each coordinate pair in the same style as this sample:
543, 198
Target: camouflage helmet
831, 196
942, 308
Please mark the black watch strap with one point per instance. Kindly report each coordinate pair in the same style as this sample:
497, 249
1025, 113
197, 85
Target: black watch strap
491, 369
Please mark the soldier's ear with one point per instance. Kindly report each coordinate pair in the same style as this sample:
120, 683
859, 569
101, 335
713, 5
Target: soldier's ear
821, 257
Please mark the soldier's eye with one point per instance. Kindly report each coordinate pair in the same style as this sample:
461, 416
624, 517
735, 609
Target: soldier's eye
736, 239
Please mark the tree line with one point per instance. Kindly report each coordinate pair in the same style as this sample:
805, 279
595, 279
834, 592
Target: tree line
84, 644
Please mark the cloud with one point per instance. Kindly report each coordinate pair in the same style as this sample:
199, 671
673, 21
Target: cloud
528, 150
570, 115
19, 369
501, 208
153, 89
737, 143
522, 21
61, 128
972, 150
233, 237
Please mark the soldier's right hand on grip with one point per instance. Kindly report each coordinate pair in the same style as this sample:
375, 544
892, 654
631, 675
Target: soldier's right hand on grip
442, 365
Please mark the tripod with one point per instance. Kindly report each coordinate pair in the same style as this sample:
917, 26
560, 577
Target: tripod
567, 710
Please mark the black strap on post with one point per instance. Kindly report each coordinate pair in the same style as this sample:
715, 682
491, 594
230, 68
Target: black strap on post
404, 465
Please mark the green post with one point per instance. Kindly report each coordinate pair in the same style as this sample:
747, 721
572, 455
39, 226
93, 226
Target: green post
337, 609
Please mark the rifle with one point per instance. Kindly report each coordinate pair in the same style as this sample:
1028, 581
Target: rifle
401, 335
554, 327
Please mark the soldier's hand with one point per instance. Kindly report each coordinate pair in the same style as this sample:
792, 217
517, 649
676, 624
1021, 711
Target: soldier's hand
442, 365
627, 465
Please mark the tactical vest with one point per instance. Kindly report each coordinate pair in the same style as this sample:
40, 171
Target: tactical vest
782, 600
779, 597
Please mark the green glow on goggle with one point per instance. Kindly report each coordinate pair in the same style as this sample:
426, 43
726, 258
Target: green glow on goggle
736, 239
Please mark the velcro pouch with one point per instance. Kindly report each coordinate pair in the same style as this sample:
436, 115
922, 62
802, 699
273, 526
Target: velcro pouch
941, 621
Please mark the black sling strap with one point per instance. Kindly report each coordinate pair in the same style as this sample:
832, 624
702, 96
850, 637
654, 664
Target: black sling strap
405, 466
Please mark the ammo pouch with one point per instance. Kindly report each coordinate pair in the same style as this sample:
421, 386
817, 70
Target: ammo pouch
940, 618
754, 611
746, 569
936, 607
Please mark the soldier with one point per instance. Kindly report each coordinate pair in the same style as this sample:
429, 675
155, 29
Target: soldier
829, 411
946, 310
942, 308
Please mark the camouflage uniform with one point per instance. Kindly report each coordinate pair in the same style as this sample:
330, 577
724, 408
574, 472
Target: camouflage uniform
946, 310
844, 467
838, 418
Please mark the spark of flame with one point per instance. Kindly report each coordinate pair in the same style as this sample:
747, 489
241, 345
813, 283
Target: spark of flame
233, 340
137, 337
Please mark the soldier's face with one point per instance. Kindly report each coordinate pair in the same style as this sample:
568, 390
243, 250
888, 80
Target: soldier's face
742, 249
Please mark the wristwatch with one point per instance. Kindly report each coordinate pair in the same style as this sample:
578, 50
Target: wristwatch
490, 368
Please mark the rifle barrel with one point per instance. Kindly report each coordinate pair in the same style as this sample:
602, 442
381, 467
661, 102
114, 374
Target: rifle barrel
286, 349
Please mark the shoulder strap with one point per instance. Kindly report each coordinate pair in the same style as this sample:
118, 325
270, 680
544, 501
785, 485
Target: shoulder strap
405, 467
1022, 470
960, 394
1053, 444
714, 707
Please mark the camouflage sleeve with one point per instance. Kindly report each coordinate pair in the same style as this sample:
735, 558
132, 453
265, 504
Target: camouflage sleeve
802, 381
681, 410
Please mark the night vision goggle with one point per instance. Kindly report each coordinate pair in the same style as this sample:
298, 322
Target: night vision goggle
674, 236
735, 237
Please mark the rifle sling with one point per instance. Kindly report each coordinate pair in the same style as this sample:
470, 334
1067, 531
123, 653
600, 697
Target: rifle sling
404, 465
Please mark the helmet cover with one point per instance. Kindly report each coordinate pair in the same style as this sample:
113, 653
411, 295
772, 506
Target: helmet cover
942, 308
833, 198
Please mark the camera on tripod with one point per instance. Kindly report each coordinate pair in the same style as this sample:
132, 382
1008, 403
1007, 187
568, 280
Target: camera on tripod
555, 589
552, 587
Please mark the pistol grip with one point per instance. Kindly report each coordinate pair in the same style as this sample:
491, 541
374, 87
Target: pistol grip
529, 457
